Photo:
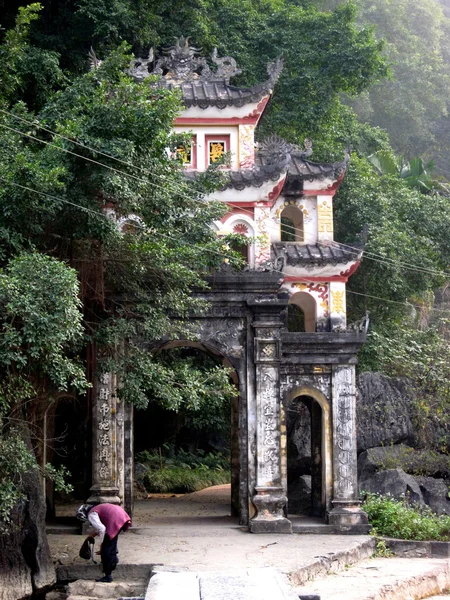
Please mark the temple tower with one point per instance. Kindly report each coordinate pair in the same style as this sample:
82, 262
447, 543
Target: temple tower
280, 323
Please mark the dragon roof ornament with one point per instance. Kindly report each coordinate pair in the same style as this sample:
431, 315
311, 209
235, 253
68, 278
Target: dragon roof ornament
181, 63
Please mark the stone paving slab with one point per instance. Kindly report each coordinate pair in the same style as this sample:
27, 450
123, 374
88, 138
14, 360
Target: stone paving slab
196, 532
105, 591
254, 584
383, 579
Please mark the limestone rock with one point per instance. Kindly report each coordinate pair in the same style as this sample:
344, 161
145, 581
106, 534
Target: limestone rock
25, 560
435, 494
381, 458
104, 591
382, 410
35, 548
298, 423
395, 483
55, 595
140, 471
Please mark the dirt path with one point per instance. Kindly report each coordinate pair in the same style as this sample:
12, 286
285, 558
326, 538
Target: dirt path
196, 532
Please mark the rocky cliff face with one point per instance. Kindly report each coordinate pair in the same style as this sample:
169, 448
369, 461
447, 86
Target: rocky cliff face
382, 411
25, 561
385, 445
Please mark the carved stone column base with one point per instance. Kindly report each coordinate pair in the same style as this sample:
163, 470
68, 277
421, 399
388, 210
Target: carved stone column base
349, 517
100, 495
269, 502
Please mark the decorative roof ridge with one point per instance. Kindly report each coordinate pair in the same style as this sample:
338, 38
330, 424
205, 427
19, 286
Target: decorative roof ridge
180, 66
301, 156
355, 249
181, 63
302, 168
321, 252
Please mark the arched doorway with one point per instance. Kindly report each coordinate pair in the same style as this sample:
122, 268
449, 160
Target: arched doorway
302, 313
291, 224
309, 477
180, 432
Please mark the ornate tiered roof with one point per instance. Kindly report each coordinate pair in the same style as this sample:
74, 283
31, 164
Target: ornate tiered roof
180, 67
205, 84
276, 156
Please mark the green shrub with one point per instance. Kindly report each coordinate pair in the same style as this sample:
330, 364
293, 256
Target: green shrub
177, 471
183, 480
169, 455
398, 519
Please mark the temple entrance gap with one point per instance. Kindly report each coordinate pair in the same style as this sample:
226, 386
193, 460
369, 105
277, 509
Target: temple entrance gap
188, 431
306, 458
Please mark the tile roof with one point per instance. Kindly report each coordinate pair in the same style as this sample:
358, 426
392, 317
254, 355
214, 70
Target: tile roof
304, 169
219, 93
182, 67
295, 254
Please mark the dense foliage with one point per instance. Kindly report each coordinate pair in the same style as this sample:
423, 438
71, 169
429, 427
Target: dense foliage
62, 254
40, 323
412, 105
74, 141
398, 519
174, 470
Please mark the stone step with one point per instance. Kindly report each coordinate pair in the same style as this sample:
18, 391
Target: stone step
250, 584
315, 526
94, 590
87, 570
382, 579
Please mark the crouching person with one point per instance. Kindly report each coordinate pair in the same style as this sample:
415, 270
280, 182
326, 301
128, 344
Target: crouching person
107, 520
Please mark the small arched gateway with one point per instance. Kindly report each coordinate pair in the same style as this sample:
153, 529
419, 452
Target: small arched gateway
307, 370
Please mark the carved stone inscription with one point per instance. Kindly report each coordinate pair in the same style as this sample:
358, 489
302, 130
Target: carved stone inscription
104, 428
268, 426
225, 332
344, 433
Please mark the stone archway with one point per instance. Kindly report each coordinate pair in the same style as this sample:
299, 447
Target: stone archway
237, 453
317, 430
245, 325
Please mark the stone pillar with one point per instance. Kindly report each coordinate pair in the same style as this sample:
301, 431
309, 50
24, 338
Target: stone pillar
346, 512
270, 498
337, 304
105, 486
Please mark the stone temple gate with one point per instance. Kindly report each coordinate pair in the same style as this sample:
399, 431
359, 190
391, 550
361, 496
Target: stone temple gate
280, 323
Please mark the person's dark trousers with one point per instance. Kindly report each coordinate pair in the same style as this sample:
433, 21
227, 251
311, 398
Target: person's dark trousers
109, 554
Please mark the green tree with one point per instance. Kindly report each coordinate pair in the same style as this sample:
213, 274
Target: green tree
324, 53
407, 249
415, 173
412, 103
27, 72
41, 330
65, 213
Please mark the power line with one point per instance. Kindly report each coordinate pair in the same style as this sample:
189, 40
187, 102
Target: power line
100, 214
57, 198
96, 151
221, 255
96, 162
74, 141
367, 254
